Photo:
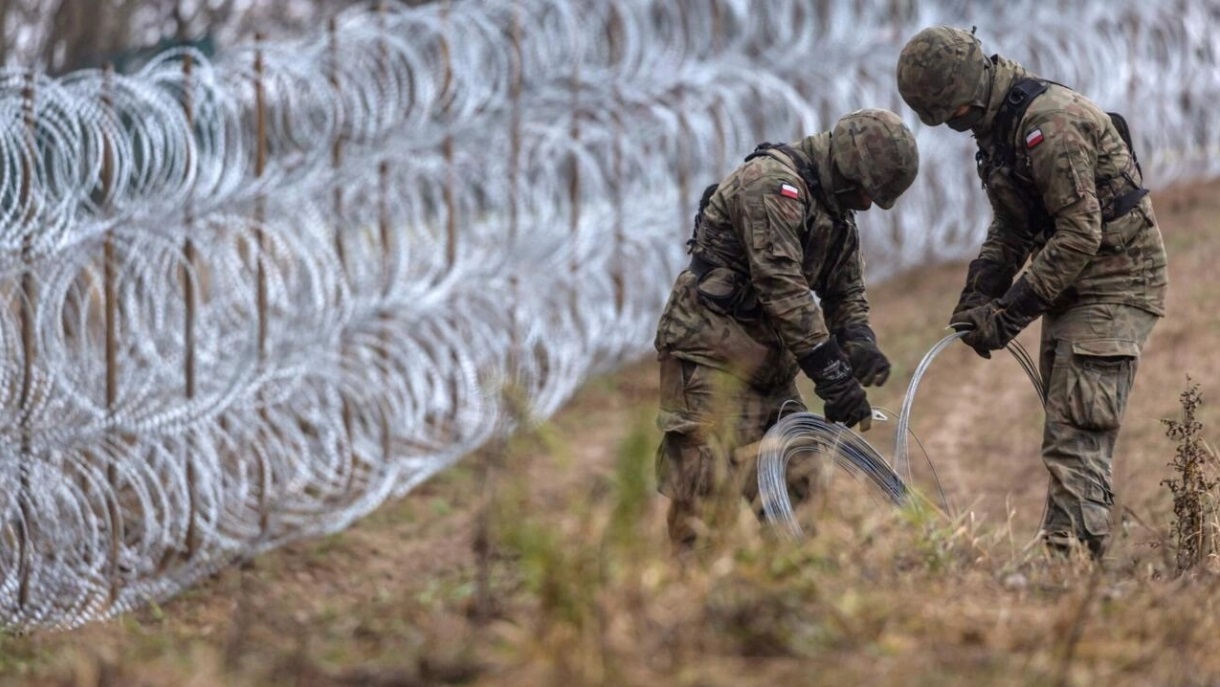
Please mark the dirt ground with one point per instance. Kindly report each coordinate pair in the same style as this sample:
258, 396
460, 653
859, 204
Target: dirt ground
396, 599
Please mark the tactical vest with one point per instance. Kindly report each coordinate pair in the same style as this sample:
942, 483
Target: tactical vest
702, 260
1011, 112
738, 299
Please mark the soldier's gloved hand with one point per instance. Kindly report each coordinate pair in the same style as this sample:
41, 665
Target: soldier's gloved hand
974, 321
985, 280
994, 325
868, 363
968, 301
830, 370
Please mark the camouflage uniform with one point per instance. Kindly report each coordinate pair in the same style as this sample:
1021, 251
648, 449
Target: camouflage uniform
731, 333
1066, 196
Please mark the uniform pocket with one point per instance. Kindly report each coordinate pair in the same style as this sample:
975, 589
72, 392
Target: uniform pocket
685, 467
726, 292
717, 289
1119, 232
1095, 517
1100, 376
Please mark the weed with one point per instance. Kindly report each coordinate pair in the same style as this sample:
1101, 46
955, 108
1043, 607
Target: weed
1194, 486
632, 485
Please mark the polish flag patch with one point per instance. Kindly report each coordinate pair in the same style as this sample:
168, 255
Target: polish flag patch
1033, 138
789, 191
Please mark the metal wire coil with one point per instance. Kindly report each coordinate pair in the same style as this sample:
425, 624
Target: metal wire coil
249, 299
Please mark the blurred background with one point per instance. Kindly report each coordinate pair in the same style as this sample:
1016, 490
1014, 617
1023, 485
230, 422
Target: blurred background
64, 35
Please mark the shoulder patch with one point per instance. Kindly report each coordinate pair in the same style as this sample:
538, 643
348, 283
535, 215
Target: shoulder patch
1033, 138
789, 191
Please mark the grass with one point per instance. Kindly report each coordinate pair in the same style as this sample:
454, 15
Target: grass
1193, 485
542, 560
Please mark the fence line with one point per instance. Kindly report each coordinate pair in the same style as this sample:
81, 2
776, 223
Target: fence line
248, 300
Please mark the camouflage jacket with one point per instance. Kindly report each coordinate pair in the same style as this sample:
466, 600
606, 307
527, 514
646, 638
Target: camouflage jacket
771, 240
1070, 166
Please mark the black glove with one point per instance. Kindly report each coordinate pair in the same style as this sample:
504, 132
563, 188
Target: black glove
830, 371
992, 325
974, 320
968, 301
985, 280
868, 363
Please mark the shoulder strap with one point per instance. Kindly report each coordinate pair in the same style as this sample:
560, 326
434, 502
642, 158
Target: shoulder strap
804, 168
1010, 113
704, 200
1124, 132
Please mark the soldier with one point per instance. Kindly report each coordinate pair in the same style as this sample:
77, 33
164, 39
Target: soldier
742, 319
1066, 192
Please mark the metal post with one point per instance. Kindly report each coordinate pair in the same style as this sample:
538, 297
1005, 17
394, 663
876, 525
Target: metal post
620, 216
336, 162
574, 166
515, 87
616, 173
190, 272
451, 208
684, 205
451, 227
109, 260
387, 246
388, 260
28, 347
260, 166
336, 147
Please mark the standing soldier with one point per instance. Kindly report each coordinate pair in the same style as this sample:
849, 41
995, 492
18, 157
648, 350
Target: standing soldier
1066, 192
742, 319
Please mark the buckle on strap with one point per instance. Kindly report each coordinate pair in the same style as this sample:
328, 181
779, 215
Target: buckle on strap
1125, 203
699, 266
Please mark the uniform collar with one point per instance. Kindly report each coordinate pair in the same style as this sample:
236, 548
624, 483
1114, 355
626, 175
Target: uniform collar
817, 149
1005, 74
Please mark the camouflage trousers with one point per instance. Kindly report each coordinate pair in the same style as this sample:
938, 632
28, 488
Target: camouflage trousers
707, 416
1089, 356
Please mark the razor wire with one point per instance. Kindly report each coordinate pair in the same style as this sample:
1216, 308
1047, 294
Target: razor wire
248, 300
810, 437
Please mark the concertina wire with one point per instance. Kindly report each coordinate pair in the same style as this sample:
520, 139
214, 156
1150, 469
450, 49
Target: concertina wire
249, 299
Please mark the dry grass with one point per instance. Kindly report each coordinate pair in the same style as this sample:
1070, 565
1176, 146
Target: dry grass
1193, 485
542, 561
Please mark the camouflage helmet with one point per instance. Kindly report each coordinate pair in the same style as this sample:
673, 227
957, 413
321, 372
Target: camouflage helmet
875, 149
941, 69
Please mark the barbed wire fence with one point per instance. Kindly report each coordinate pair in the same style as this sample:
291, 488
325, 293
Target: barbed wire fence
248, 300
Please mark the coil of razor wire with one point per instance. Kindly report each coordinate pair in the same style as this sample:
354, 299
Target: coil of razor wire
810, 437
902, 462
249, 299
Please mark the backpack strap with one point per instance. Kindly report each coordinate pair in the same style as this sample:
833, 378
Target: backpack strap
1010, 113
1013, 109
804, 168
1124, 132
704, 200
1127, 202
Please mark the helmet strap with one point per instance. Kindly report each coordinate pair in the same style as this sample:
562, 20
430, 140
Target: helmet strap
982, 93
967, 121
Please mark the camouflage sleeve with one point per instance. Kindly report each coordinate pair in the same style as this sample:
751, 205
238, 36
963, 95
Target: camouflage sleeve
1062, 163
771, 224
841, 283
1007, 245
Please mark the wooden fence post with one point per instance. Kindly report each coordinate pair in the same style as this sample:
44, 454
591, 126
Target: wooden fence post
110, 299
27, 301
